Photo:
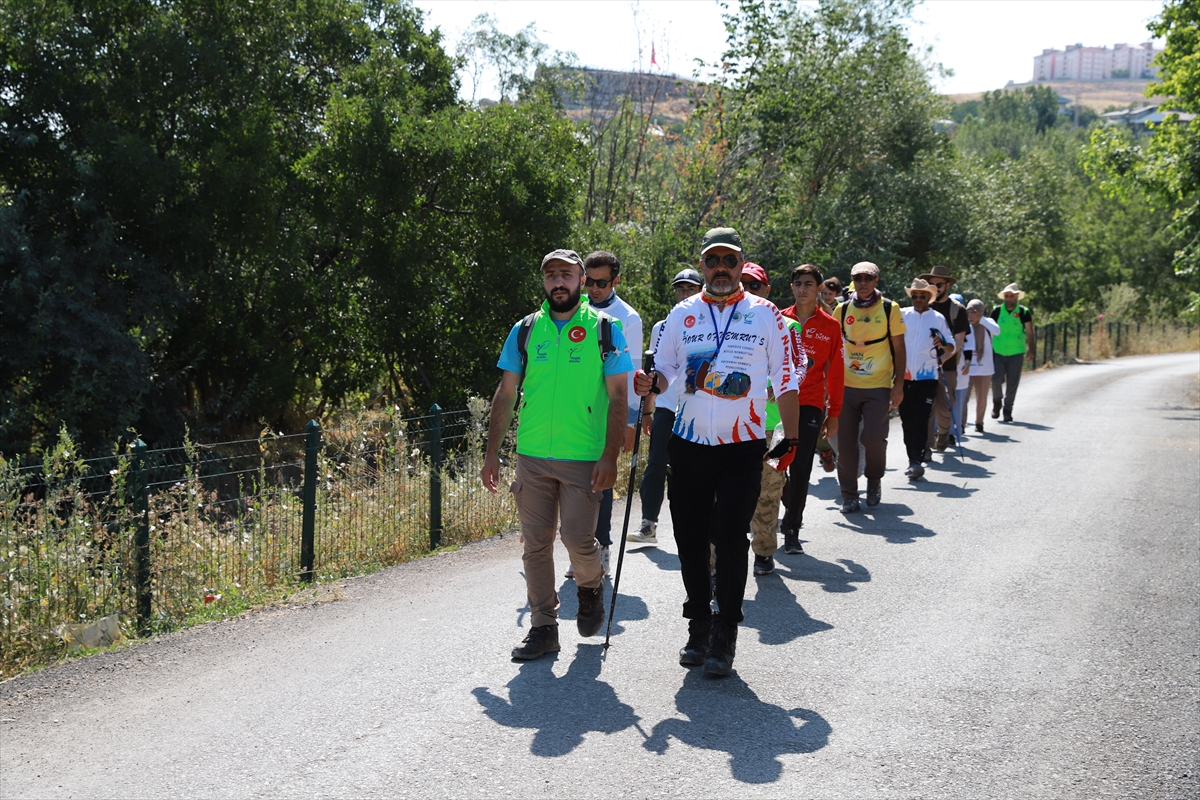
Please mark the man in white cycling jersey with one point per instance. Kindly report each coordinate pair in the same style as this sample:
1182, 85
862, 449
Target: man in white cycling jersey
720, 348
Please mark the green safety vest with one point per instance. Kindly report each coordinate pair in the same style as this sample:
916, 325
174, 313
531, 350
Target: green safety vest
772, 406
1011, 339
564, 405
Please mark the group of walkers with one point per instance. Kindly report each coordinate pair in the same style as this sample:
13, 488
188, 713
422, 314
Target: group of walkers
740, 399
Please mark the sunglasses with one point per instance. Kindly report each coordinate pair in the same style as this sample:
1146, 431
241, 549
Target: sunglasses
753, 286
729, 260
864, 278
937, 284
601, 282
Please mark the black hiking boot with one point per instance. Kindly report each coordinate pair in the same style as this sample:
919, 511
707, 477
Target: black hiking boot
764, 565
719, 661
791, 543
591, 610
874, 491
692, 654
995, 411
541, 639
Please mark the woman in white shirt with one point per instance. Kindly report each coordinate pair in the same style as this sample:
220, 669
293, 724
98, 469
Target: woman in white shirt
977, 358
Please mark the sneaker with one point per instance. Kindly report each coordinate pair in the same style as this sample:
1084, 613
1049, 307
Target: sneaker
851, 505
910, 468
763, 565
540, 640
874, 492
570, 573
940, 442
828, 460
995, 411
646, 534
791, 543
979, 427
915, 473
951, 441
604, 560
926, 457
692, 654
718, 662
591, 610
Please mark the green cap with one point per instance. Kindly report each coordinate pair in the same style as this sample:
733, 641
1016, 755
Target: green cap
721, 237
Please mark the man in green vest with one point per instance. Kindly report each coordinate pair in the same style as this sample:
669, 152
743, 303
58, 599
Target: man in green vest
1016, 344
568, 362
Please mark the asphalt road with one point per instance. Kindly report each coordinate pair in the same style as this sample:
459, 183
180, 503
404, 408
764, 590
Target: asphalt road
1023, 623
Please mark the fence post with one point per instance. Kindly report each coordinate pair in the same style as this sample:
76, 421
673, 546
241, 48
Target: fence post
435, 479
308, 529
1035, 333
1078, 327
139, 491
1117, 352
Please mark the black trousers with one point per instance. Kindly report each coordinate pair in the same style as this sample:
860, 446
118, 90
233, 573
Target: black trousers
796, 495
713, 491
914, 416
654, 479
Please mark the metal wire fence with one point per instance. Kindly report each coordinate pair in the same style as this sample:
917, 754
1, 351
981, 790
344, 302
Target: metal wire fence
157, 538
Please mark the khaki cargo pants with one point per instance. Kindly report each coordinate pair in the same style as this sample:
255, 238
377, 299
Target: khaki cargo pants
554, 495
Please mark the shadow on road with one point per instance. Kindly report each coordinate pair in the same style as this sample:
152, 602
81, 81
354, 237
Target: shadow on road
668, 562
727, 715
1033, 426
886, 520
924, 486
838, 577
559, 710
776, 613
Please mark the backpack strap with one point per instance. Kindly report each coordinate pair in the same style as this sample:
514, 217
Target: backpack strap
604, 337
523, 345
887, 317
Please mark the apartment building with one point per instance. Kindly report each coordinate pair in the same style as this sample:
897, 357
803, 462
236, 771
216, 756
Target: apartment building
1079, 63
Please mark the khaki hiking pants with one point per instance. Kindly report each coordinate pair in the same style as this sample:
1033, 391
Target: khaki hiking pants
554, 495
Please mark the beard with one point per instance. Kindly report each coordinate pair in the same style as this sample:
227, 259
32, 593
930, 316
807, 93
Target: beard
562, 306
721, 284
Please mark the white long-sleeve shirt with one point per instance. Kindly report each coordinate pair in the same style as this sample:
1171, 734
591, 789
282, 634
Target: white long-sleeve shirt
631, 326
721, 360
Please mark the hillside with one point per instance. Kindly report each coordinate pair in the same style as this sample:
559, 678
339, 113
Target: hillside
1097, 95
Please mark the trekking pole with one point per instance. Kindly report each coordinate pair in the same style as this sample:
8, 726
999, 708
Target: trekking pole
647, 367
954, 422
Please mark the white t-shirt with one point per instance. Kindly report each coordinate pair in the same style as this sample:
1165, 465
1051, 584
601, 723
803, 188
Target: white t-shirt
981, 363
719, 360
921, 332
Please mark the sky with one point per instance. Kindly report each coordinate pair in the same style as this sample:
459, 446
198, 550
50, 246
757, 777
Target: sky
986, 43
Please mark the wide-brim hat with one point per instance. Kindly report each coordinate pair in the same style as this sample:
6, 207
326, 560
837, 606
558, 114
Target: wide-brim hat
1012, 287
922, 285
939, 272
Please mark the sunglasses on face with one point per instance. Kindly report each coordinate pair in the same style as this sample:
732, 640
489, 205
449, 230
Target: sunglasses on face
861, 278
753, 286
601, 282
729, 260
937, 284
